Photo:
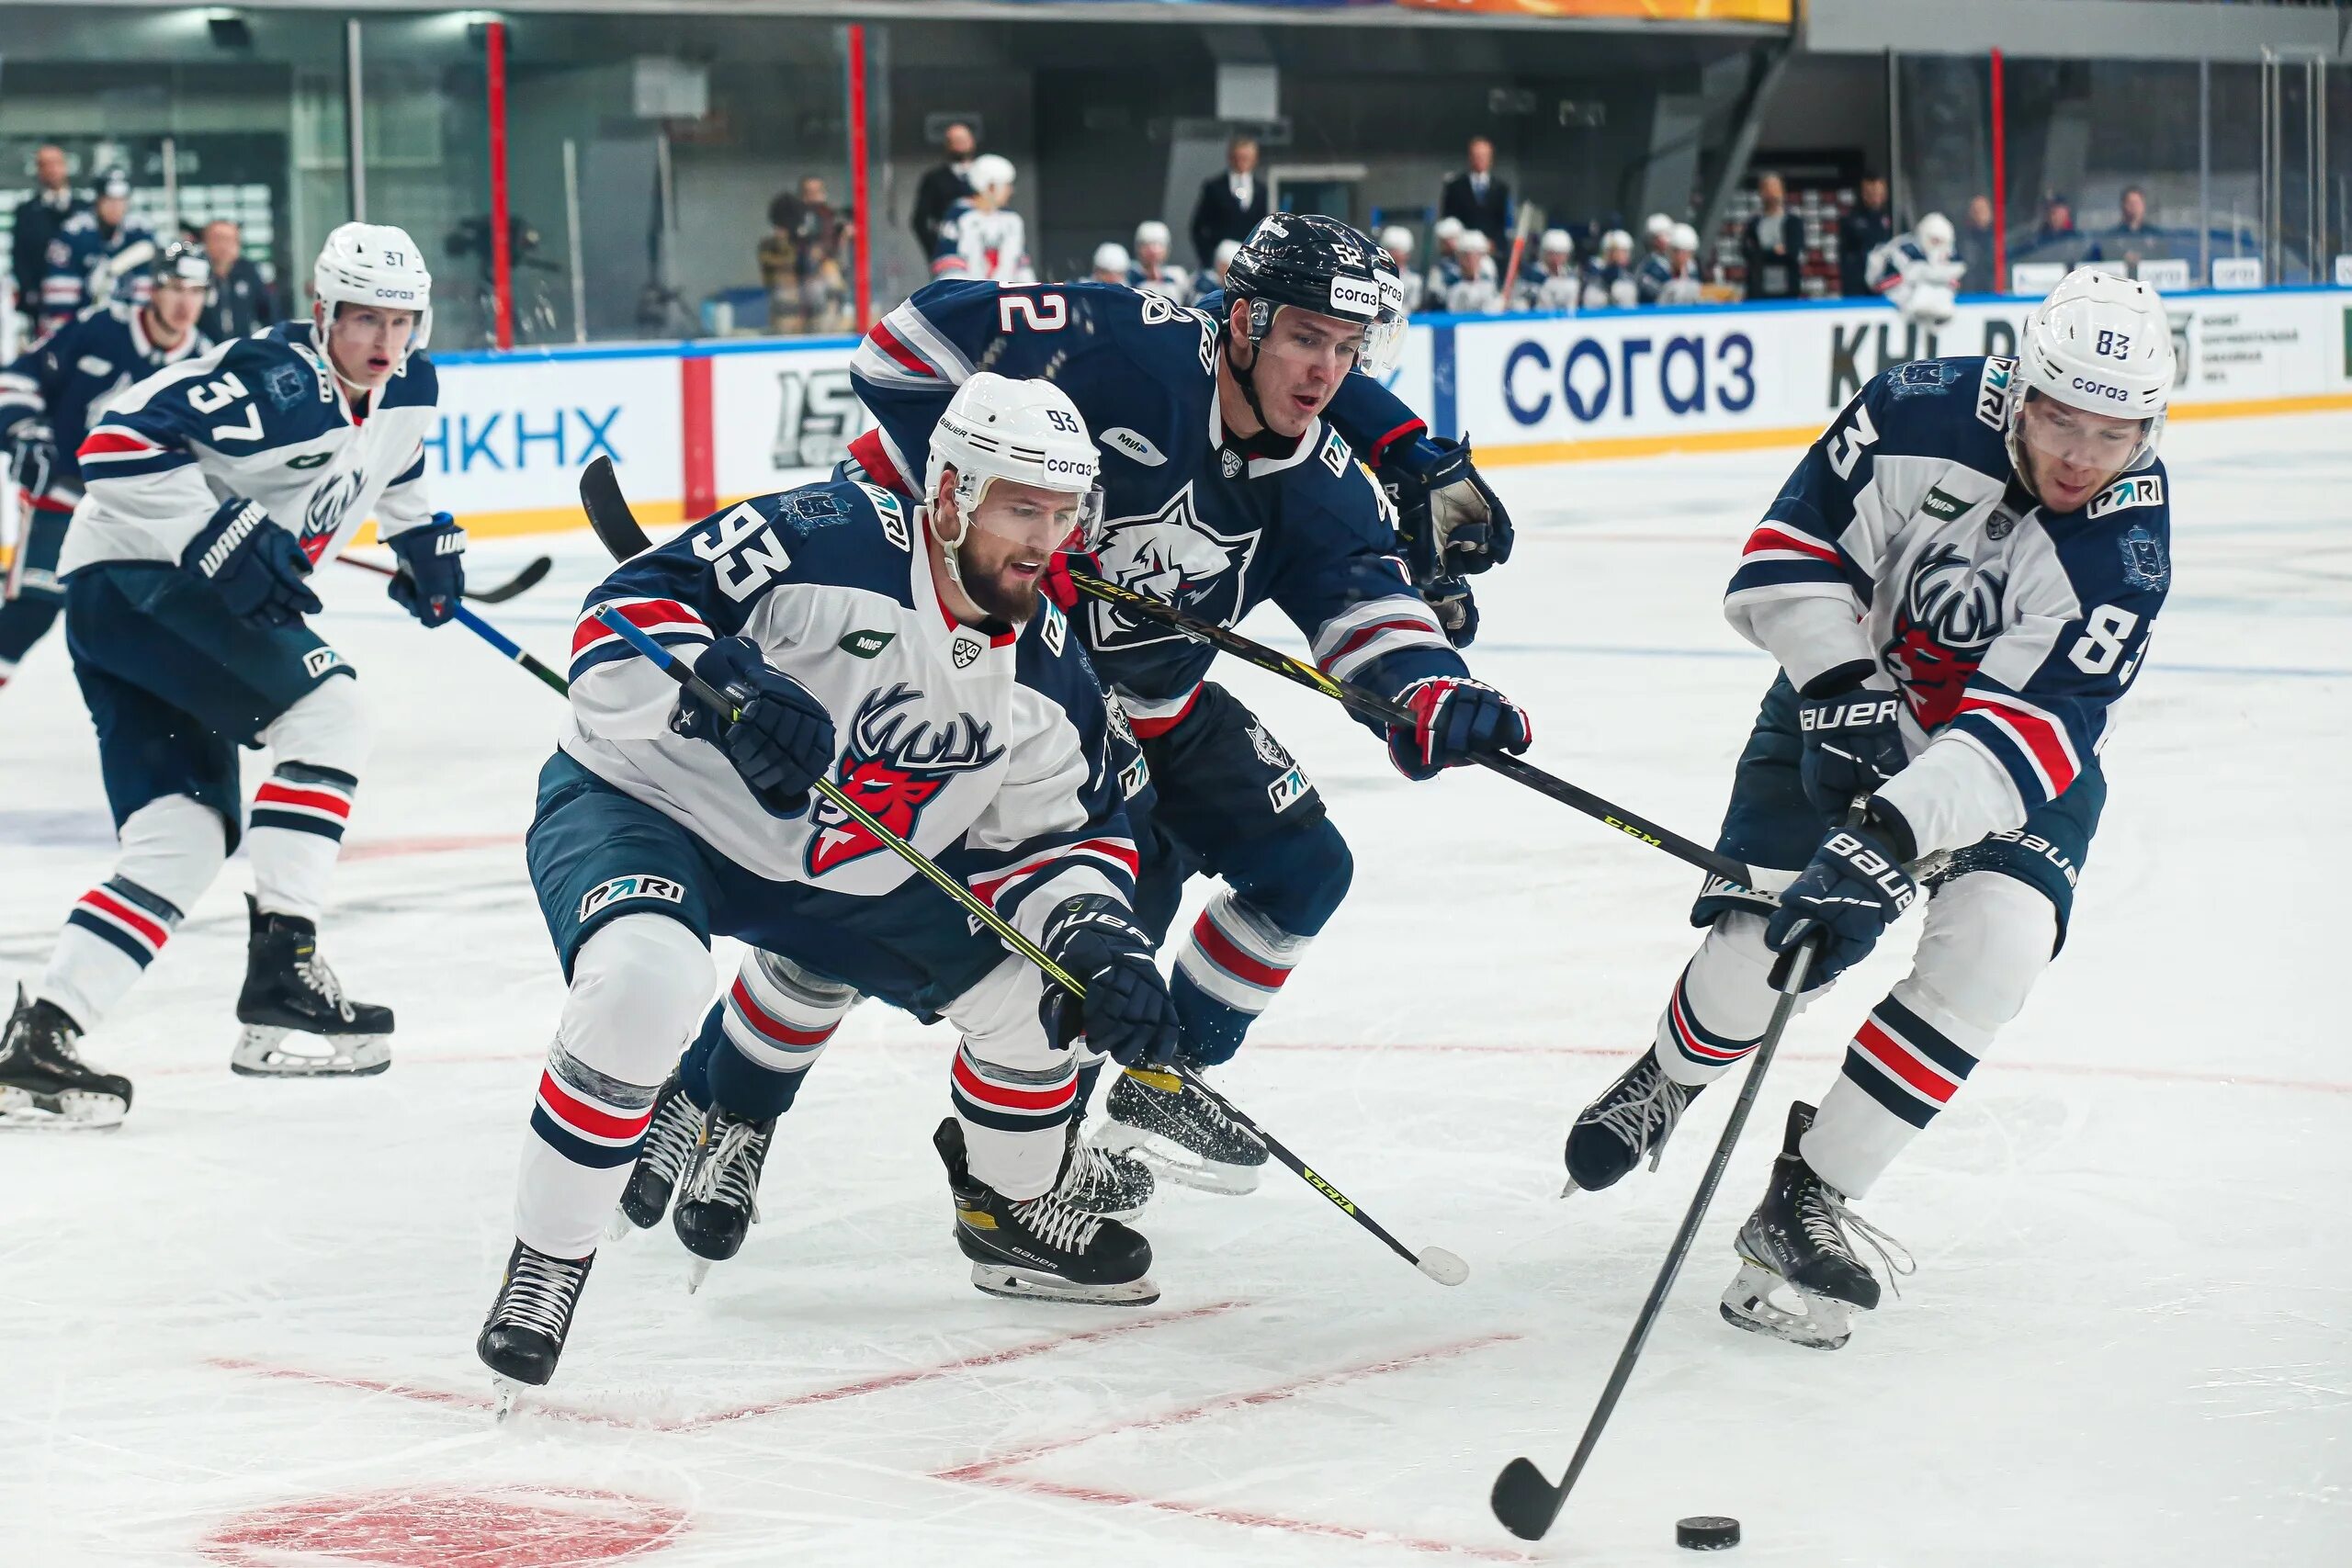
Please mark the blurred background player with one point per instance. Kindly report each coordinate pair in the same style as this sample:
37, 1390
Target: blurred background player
185, 595
1477, 285
1112, 263
1445, 271
904, 652
49, 399
1397, 240
982, 236
96, 254
1552, 283
1658, 235
1152, 270
1918, 273
35, 223
1609, 273
1211, 278
1670, 274
2008, 520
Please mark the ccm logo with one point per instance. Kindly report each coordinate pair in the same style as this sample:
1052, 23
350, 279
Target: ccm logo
2101, 389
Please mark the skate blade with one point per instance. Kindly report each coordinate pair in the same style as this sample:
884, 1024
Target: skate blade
620, 1226
76, 1110
1825, 1325
1179, 1164
1015, 1283
504, 1391
697, 1272
261, 1052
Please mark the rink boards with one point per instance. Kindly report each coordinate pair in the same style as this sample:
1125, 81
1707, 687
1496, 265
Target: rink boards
691, 426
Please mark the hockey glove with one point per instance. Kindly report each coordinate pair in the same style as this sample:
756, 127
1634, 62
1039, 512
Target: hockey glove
253, 563
1453, 717
1854, 888
1057, 585
431, 581
781, 740
1453, 524
1126, 1012
32, 457
1456, 609
1853, 740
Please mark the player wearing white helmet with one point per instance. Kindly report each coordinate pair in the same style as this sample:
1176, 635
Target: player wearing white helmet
1477, 286
1445, 267
1397, 240
1153, 271
981, 236
1552, 284
212, 490
1111, 262
1680, 284
1211, 278
1609, 273
1958, 582
1657, 232
1917, 272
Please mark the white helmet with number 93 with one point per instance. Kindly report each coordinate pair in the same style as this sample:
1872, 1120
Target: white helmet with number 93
1026, 432
376, 264
2101, 344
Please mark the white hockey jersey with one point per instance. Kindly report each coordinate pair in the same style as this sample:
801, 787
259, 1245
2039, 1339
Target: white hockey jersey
978, 244
263, 418
1922, 288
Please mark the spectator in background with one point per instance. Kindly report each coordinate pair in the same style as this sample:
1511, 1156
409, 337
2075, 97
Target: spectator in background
1861, 231
804, 263
1478, 197
1771, 245
1974, 244
2057, 239
1231, 203
39, 217
240, 300
943, 185
2132, 239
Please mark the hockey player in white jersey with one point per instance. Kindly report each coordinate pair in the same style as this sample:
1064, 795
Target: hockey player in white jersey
212, 490
982, 236
1111, 262
1397, 240
1958, 581
904, 652
1153, 272
1552, 283
1477, 290
1609, 274
1917, 272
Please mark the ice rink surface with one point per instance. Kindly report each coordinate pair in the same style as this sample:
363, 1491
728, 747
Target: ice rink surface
239, 1331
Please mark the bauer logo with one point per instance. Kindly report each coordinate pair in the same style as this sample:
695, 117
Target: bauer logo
319, 661
2143, 489
640, 886
864, 645
1130, 445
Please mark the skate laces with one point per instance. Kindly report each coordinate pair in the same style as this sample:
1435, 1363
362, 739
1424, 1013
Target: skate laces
539, 1293
731, 1167
670, 1143
1827, 1218
1205, 1107
1056, 1223
1658, 1102
320, 979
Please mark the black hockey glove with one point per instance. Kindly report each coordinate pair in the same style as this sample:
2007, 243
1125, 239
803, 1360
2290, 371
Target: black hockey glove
1854, 888
1455, 608
253, 564
32, 457
1453, 717
1854, 739
1126, 1012
1451, 523
431, 581
781, 740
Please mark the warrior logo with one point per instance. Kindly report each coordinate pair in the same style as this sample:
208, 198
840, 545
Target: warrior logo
322, 518
1175, 558
1950, 614
893, 771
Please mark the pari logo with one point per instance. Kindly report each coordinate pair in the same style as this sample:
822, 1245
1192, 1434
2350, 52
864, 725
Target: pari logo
1170, 555
1950, 614
894, 766
1594, 379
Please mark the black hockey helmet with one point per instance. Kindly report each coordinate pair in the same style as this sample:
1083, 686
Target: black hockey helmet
1321, 264
183, 261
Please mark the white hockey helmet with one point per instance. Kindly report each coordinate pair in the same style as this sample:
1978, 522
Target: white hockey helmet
1473, 242
1397, 240
1935, 236
1684, 238
2100, 343
1112, 256
1151, 231
990, 170
1557, 243
1616, 240
1448, 231
374, 264
1225, 251
1658, 226
1029, 432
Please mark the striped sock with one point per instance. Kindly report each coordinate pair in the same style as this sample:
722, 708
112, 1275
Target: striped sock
1690, 1051
297, 820
114, 931
1900, 1071
1229, 972
772, 1027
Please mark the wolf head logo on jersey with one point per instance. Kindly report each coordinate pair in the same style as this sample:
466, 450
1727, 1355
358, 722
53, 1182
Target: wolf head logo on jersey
893, 771
1175, 558
1950, 614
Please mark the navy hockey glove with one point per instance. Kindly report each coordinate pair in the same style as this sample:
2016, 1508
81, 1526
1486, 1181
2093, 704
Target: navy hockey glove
1126, 1012
1853, 740
1453, 717
1455, 608
1854, 888
782, 738
32, 457
431, 579
1451, 523
253, 563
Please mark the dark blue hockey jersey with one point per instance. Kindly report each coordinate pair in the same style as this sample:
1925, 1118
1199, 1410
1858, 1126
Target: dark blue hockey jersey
1196, 518
89, 266
66, 380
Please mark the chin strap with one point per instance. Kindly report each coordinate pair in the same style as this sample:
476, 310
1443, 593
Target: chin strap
1247, 376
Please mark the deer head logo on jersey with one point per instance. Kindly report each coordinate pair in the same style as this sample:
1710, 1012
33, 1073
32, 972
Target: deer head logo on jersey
1177, 558
894, 765
1950, 614
322, 518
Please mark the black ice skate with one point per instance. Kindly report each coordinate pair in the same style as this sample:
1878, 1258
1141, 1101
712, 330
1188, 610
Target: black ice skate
524, 1334
1634, 1116
661, 1159
1167, 1121
1042, 1248
1796, 1239
721, 1200
1096, 1182
289, 989
43, 1080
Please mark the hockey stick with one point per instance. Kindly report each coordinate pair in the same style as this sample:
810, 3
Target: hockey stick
520, 584
1529, 216
1365, 705
617, 527
1525, 1502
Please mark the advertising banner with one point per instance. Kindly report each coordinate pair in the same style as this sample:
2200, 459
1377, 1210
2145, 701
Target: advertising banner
781, 416
515, 431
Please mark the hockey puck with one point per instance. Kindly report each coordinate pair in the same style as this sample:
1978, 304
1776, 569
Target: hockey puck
1707, 1532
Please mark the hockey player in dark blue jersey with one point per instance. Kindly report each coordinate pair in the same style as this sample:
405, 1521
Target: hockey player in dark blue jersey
1226, 486
1958, 581
50, 396
96, 255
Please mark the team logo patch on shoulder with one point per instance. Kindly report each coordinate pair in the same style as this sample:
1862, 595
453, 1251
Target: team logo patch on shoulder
2144, 559
2142, 489
1921, 376
866, 645
1134, 444
1335, 455
284, 385
1943, 504
1993, 392
605, 894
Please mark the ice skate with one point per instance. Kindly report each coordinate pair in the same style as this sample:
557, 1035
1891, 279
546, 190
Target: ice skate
1042, 1248
719, 1201
1095, 1181
523, 1337
290, 991
1634, 1116
668, 1149
1796, 1243
44, 1083
1179, 1130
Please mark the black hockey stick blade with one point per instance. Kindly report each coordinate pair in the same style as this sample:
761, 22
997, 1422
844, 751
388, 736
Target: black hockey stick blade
522, 583
1524, 1501
608, 513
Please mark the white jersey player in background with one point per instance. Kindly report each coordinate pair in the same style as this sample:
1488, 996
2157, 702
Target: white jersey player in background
1397, 240
1153, 272
982, 236
1917, 272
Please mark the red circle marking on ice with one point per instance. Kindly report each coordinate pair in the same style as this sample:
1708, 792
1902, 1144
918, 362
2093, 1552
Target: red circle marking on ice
510, 1527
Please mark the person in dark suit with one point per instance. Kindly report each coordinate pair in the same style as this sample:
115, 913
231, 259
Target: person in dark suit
1976, 246
241, 301
1861, 231
943, 185
1231, 202
38, 217
1479, 197
1772, 244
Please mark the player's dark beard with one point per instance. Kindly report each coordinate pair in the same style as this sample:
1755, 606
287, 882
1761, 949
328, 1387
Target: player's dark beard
999, 599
